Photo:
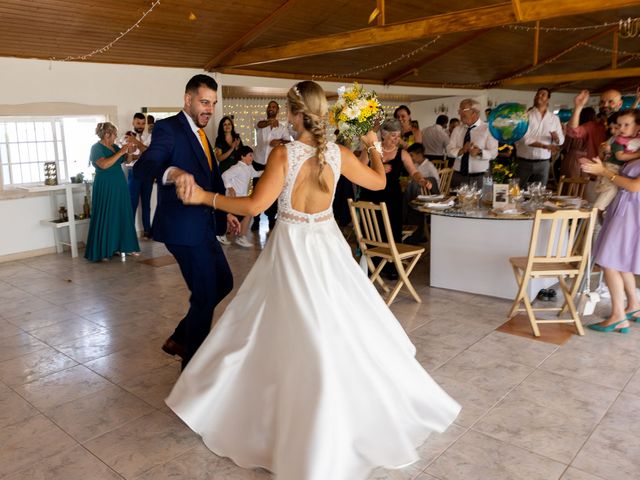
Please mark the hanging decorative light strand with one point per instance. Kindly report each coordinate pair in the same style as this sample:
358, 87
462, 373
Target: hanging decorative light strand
527, 28
110, 44
376, 67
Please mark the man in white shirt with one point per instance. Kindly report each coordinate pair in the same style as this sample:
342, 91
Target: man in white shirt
140, 191
236, 181
542, 140
472, 146
436, 138
269, 134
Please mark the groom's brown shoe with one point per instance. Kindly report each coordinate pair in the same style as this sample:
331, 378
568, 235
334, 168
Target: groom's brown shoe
173, 348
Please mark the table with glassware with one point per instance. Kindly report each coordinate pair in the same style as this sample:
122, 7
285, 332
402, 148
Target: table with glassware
471, 242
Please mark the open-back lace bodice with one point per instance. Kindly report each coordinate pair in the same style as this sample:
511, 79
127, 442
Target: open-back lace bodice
297, 154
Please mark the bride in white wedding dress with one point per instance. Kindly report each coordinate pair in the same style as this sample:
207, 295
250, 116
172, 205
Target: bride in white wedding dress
308, 373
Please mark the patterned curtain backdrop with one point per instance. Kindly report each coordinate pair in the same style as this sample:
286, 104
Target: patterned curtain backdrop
247, 112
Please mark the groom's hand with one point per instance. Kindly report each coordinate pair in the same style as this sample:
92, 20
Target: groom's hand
184, 182
233, 224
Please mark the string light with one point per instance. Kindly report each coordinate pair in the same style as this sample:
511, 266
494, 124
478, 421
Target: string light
110, 44
568, 29
610, 50
247, 112
404, 56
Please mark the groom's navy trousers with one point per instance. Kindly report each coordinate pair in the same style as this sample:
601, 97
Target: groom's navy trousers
188, 231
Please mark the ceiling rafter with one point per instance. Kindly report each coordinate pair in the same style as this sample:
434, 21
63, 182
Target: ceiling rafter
250, 35
553, 79
461, 21
398, 75
590, 38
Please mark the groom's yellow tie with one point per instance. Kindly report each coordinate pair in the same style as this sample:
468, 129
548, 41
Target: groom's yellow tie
205, 145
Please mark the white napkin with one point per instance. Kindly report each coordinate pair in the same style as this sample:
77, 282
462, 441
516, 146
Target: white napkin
428, 198
448, 203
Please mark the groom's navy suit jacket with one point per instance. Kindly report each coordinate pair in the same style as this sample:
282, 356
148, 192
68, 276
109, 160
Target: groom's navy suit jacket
174, 144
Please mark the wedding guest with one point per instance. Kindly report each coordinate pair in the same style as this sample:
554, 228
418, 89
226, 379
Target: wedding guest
269, 134
227, 144
111, 228
151, 122
139, 190
472, 145
436, 138
394, 159
575, 148
617, 248
542, 140
236, 182
410, 132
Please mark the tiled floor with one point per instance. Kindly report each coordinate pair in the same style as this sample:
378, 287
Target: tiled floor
82, 382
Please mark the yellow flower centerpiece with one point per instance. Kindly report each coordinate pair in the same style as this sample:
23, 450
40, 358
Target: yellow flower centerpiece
355, 112
503, 173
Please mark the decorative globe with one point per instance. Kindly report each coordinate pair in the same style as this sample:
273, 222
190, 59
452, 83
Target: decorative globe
564, 114
508, 122
627, 101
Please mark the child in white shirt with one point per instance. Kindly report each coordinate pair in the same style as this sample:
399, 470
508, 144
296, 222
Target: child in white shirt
236, 182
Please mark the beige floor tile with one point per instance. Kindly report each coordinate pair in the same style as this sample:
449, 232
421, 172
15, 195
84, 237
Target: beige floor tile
130, 362
154, 386
479, 457
575, 474
92, 347
32, 366
64, 332
514, 349
61, 387
27, 305
143, 444
95, 414
13, 408
30, 441
201, 464
51, 316
486, 371
74, 464
90, 304
454, 332
613, 450
599, 367
8, 329
634, 384
432, 353
12, 346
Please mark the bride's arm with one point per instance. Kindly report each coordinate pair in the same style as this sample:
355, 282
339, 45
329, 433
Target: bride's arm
266, 191
371, 178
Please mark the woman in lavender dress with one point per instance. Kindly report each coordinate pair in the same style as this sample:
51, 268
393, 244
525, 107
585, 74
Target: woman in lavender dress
617, 248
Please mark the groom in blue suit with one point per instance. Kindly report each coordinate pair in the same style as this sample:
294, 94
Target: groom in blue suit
180, 154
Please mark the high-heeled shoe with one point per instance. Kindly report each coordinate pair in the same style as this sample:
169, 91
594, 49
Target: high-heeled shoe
630, 316
610, 328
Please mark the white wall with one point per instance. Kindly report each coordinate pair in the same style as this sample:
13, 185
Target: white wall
125, 89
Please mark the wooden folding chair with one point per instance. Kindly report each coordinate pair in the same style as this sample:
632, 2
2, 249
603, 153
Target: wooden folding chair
572, 186
372, 243
440, 163
446, 174
566, 244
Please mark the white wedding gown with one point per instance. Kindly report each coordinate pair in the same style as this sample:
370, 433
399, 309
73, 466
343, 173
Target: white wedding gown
308, 373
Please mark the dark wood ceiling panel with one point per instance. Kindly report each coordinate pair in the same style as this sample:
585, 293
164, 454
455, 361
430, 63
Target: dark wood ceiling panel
167, 37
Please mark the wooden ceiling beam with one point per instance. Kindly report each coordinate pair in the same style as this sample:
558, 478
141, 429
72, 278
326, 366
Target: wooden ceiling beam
574, 77
606, 66
461, 21
554, 54
250, 35
413, 69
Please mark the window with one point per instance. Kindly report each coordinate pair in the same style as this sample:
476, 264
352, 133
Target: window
27, 142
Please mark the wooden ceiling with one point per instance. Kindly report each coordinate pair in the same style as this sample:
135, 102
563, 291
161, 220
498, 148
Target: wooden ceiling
435, 43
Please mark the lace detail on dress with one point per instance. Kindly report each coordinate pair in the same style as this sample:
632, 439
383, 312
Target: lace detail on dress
297, 154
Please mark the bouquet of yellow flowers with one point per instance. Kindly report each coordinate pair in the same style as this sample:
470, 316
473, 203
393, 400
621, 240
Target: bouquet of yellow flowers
503, 173
355, 112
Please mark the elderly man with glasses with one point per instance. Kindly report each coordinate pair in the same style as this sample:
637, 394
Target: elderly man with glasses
472, 146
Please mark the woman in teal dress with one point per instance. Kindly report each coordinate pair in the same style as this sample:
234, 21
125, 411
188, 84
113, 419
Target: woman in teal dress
112, 227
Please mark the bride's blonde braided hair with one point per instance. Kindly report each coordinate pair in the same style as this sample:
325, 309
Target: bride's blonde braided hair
309, 99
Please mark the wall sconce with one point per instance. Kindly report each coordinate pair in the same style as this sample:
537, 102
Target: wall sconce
491, 103
442, 108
